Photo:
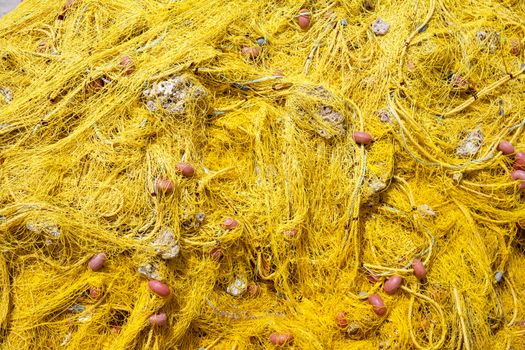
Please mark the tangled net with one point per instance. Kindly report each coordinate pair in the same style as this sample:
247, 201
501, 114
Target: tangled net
185, 174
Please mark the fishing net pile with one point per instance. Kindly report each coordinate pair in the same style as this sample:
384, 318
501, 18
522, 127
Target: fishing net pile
252, 174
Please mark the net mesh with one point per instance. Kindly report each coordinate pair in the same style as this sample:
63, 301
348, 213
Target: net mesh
288, 225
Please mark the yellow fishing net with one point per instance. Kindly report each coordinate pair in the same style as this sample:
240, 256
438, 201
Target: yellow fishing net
289, 229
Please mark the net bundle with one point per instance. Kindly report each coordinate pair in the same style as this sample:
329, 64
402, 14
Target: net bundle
252, 174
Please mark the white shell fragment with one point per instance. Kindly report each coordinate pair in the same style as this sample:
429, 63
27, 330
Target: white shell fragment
498, 276
377, 185
174, 95
471, 144
192, 221
384, 116
238, 287
457, 177
336, 121
77, 308
6, 94
426, 211
149, 271
47, 228
166, 245
379, 27
200, 217
488, 40
85, 317
353, 331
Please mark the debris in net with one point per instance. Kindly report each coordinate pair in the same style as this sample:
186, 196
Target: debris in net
457, 177
238, 287
200, 217
174, 95
388, 344
6, 94
377, 184
426, 211
471, 144
384, 116
380, 27
85, 317
192, 221
166, 245
150, 271
335, 119
459, 83
354, 331
498, 276
47, 228
77, 308
488, 40
318, 91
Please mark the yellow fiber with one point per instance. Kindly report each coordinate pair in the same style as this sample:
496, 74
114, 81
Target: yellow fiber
100, 100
